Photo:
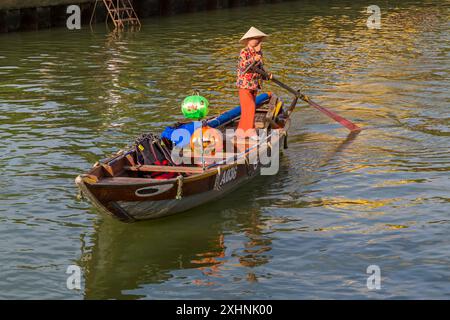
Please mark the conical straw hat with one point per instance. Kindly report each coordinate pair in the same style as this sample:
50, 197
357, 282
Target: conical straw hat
253, 33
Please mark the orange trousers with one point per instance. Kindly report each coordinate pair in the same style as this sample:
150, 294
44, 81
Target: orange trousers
248, 106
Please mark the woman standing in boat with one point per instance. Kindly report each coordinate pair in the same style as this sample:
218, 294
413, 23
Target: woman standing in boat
249, 82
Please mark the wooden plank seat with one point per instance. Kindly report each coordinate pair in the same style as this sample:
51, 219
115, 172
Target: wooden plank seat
154, 168
219, 157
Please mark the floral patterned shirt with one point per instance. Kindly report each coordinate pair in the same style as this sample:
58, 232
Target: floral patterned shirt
249, 80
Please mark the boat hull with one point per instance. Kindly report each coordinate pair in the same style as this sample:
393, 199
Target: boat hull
126, 189
144, 210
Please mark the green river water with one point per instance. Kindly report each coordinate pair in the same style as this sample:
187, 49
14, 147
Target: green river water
338, 204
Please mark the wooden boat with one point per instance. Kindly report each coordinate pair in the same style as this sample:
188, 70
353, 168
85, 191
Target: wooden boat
128, 189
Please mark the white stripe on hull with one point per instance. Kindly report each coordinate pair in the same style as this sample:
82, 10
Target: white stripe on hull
142, 210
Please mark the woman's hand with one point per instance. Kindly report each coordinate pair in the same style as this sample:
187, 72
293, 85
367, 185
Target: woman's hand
257, 57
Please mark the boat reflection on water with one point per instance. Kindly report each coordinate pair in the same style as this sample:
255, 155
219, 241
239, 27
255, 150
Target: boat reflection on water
126, 257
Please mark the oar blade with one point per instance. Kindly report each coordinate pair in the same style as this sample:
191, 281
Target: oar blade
346, 123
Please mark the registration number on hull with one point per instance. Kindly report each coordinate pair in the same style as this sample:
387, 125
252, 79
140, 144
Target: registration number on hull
228, 175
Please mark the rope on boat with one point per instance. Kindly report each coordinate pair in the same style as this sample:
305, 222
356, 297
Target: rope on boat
217, 182
180, 187
80, 195
247, 164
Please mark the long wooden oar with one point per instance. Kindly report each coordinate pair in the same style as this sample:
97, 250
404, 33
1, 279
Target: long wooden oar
346, 123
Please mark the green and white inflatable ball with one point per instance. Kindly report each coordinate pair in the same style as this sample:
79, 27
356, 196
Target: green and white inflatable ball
195, 107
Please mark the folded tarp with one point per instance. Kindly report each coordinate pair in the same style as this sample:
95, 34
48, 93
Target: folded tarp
182, 137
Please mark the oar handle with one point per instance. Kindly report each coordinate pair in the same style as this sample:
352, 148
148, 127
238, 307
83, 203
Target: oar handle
278, 82
251, 66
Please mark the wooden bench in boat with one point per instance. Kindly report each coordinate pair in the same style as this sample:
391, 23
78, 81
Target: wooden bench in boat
155, 168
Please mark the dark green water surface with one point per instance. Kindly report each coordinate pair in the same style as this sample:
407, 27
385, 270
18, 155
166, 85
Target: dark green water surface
69, 98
